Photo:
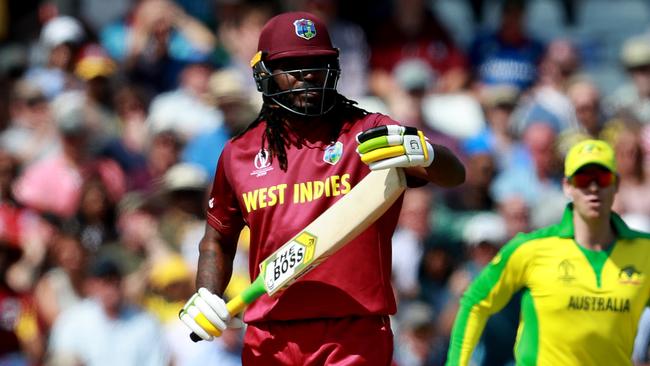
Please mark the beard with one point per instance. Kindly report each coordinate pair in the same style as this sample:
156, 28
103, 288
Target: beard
308, 100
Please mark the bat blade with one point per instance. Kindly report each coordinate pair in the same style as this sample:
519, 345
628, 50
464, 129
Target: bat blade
340, 223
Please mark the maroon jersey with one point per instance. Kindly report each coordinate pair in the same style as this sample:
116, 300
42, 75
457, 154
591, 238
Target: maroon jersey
276, 205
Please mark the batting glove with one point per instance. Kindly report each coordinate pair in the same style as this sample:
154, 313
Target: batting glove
394, 146
205, 314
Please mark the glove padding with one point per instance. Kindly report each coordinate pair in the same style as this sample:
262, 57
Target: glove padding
205, 314
392, 146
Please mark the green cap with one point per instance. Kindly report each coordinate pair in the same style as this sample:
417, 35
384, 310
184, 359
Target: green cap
589, 152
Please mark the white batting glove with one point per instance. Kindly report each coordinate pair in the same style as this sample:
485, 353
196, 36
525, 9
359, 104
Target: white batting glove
394, 146
205, 314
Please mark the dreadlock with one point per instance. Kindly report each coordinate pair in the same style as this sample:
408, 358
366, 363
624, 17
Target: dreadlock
345, 109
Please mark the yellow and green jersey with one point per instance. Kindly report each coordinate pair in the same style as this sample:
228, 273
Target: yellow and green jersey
578, 307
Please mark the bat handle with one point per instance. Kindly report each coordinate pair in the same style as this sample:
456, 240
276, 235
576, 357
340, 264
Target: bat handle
234, 306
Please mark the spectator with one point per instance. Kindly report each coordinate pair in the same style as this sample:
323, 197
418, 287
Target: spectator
547, 100
61, 285
163, 150
185, 110
21, 225
169, 283
94, 99
497, 137
414, 80
140, 244
418, 343
585, 98
586, 102
538, 180
455, 207
408, 241
239, 30
516, 214
238, 109
20, 340
61, 37
182, 194
634, 96
413, 32
71, 167
634, 188
154, 43
96, 216
31, 134
507, 56
129, 147
438, 263
484, 235
105, 330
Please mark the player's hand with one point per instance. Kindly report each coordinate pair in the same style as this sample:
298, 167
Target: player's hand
205, 314
394, 146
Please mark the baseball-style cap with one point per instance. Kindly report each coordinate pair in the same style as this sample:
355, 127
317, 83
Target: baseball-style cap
184, 177
62, 29
636, 52
170, 270
104, 266
589, 152
485, 227
94, 62
295, 34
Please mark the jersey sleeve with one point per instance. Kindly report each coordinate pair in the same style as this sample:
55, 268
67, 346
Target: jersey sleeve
487, 294
378, 119
224, 213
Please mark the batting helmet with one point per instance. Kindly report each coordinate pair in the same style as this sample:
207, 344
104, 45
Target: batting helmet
297, 35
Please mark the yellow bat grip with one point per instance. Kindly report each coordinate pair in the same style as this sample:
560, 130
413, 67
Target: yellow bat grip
234, 306
206, 325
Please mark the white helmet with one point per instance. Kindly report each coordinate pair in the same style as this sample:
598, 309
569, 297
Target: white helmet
60, 30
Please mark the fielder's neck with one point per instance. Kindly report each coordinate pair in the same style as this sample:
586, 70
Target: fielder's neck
595, 234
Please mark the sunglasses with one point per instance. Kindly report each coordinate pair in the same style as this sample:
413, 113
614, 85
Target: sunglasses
603, 178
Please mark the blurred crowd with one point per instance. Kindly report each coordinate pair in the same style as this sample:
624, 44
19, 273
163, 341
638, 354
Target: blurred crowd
113, 115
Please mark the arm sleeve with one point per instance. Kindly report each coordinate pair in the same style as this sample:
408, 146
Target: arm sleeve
224, 213
488, 294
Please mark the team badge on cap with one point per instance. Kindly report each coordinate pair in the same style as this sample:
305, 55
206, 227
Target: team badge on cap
305, 28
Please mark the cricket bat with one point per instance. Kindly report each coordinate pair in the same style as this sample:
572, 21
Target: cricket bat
340, 223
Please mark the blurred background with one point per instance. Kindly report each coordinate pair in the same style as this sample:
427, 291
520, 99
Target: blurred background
113, 115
